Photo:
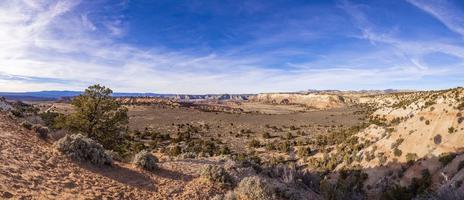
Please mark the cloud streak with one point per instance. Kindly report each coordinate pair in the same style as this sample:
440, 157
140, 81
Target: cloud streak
444, 11
54, 45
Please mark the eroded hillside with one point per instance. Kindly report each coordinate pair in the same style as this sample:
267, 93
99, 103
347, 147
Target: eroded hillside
408, 136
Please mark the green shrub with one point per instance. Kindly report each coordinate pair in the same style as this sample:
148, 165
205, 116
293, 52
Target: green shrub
284, 146
418, 186
225, 150
411, 157
397, 143
446, 158
397, 152
254, 144
382, 158
17, 113
26, 125
303, 151
460, 106
216, 174
270, 146
50, 118
349, 185
174, 150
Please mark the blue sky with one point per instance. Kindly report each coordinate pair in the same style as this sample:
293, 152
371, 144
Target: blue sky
200, 46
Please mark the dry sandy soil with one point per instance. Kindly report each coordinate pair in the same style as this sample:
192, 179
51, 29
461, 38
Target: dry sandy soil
31, 169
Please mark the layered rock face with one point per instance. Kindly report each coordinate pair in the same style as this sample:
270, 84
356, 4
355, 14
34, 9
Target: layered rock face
318, 101
233, 97
147, 101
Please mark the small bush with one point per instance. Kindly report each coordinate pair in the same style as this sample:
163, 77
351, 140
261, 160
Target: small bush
451, 130
461, 106
397, 152
41, 131
427, 122
174, 150
397, 143
303, 151
284, 146
17, 113
270, 146
81, 148
437, 139
411, 157
460, 120
26, 125
266, 135
50, 118
216, 174
254, 144
145, 160
445, 159
254, 188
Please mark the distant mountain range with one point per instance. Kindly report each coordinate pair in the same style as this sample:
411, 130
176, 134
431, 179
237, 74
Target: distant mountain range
55, 95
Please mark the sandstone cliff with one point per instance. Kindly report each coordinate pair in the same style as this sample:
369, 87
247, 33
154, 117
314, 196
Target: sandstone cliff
318, 101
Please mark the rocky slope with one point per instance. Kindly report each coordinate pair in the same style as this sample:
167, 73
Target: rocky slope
409, 133
4, 105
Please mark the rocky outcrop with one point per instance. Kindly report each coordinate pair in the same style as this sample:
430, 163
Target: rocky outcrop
5, 105
147, 101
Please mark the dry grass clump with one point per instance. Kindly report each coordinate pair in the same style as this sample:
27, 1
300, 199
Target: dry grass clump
26, 125
216, 174
81, 148
254, 188
145, 160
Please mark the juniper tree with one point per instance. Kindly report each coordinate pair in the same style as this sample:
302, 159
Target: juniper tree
98, 116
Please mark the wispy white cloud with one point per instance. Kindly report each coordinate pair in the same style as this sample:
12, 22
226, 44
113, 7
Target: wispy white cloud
444, 11
53, 45
413, 51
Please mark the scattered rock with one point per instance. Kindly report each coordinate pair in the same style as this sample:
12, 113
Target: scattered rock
7, 195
